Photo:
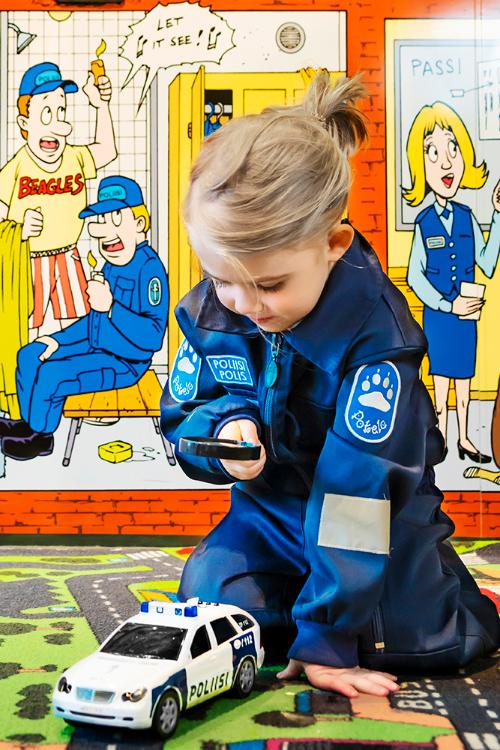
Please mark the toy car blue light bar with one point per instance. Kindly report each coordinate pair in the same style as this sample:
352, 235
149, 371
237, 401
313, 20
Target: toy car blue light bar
160, 608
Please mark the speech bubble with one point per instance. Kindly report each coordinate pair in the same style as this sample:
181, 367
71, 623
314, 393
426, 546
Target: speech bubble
177, 34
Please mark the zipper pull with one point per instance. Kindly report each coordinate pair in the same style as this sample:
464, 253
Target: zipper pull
272, 369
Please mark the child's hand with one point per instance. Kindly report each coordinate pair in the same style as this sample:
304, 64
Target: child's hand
243, 429
349, 681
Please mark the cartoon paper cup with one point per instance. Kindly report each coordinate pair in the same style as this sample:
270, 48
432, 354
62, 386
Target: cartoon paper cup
470, 289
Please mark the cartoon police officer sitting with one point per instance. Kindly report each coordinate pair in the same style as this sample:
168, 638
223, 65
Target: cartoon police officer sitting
112, 346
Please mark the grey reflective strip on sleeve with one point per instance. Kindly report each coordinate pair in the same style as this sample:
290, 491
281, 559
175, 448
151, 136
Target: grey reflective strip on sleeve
355, 523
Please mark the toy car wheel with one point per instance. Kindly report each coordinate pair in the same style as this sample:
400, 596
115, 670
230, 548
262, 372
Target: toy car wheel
167, 713
245, 678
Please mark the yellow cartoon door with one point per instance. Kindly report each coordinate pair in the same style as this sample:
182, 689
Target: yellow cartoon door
199, 103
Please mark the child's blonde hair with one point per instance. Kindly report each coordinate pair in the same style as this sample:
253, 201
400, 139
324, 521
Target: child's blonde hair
266, 181
423, 125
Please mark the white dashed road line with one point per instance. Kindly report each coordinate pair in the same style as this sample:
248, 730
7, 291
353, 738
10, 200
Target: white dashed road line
486, 740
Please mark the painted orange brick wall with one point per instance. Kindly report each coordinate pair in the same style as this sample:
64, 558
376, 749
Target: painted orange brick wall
179, 513
194, 513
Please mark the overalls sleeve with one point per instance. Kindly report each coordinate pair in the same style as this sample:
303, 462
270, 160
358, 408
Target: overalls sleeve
194, 404
372, 462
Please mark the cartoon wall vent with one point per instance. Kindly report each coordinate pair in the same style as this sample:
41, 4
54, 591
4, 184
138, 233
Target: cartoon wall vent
290, 37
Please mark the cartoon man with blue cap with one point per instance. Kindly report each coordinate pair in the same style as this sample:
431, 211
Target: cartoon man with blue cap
112, 346
43, 188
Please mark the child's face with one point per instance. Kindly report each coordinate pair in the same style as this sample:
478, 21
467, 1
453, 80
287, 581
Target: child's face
118, 233
277, 288
443, 161
47, 125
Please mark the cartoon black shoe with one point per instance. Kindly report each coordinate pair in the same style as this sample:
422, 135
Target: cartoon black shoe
17, 428
24, 449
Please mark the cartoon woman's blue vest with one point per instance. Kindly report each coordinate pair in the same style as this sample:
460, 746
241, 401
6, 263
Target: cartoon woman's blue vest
450, 259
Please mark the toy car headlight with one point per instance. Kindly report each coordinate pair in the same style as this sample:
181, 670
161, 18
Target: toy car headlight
63, 685
135, 695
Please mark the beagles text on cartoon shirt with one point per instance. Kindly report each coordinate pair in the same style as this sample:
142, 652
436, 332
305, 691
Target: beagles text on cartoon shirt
59, 195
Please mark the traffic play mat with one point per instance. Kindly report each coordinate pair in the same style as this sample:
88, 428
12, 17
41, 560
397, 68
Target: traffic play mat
57, 604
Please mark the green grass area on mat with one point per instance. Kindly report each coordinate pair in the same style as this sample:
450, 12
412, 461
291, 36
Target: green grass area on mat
169, 587
463, 546
27, 695
176, 552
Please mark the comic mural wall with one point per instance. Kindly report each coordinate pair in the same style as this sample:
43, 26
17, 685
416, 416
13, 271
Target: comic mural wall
103, 107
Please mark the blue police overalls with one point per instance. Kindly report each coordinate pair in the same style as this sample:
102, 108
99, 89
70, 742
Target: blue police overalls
340, 543
102, 350
450, 260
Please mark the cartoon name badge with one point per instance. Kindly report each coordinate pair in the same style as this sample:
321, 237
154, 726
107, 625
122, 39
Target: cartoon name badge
230, 370
373, 402
183, 382
435, 242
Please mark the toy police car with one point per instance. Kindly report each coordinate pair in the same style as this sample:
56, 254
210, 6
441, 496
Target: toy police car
167, 658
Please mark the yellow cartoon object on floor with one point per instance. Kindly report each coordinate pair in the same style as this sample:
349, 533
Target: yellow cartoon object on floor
115, 452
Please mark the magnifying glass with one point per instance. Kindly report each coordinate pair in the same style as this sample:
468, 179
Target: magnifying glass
219, 448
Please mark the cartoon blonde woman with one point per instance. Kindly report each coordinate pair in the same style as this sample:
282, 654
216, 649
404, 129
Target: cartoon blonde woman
447, 244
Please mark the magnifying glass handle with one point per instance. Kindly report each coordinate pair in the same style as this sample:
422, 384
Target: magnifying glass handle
219, 448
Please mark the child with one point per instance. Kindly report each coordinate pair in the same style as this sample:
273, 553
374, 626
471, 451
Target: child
113, 345
298, 341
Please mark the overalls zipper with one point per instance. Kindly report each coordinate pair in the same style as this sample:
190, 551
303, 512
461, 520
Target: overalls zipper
270, 378
378, 629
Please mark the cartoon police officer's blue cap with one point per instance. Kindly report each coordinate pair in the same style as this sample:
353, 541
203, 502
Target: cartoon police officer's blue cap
42, 78
113, 194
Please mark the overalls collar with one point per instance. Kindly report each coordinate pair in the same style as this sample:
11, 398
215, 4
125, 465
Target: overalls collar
322, 337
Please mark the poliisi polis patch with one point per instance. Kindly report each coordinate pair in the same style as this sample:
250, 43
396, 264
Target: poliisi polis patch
230, 370
183, 380
373, 402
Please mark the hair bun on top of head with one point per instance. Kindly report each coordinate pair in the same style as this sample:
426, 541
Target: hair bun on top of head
334, 106
270, 180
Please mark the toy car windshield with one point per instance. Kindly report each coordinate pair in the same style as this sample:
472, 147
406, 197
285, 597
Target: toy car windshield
146, 641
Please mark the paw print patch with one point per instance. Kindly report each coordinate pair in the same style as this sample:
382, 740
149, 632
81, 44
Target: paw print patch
373, 402
183, 381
